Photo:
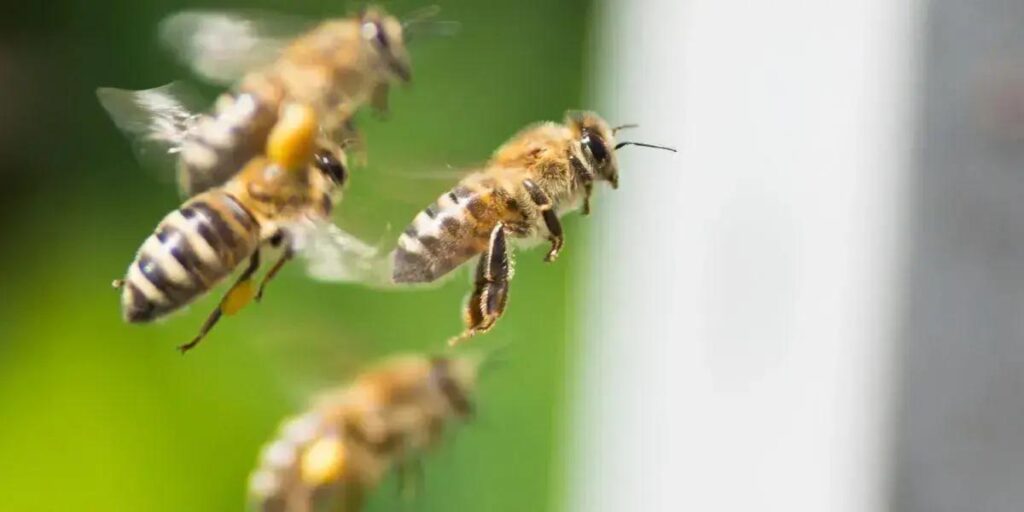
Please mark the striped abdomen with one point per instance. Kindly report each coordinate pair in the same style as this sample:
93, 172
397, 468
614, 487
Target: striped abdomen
450, 231
221, 143
191, 250
310, 466
333, 456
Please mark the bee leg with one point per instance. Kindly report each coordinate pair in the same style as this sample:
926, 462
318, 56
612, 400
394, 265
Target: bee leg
289, 252
588, 189
490, 288
348, 137
235, 299
547, 210
410, 479
379, 100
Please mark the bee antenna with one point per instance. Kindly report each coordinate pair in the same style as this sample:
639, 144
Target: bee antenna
494, 362
645, 145
347, 142
624, 127
494, 358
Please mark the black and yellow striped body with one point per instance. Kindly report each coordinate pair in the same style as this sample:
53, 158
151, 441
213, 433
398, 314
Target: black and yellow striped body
455, 228
333, 456
328, 69
310, 466
222, 142
192, 249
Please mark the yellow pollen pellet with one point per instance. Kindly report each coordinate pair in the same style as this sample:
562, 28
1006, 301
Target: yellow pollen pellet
291, 141
238, 297
323, 461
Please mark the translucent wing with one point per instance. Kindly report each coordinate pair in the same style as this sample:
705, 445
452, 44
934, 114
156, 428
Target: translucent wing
421, 23
221, 46
333, 255
156, 120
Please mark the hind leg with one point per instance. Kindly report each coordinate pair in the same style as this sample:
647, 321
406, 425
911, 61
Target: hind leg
490, 288
240, 294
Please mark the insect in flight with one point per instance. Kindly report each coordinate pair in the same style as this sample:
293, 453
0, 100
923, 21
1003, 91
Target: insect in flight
333, 455
336, 67
543, 172
281, 199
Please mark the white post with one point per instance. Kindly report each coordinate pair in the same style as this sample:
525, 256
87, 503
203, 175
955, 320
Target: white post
738, 297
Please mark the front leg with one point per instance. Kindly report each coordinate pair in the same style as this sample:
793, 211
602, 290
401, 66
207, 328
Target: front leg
289, 252
343, 132
410, 478
586, 178
379, 99
490, 288
547, 210
588, 188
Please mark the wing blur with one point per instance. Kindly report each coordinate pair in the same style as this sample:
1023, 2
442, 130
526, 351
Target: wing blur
156, 121
222, 46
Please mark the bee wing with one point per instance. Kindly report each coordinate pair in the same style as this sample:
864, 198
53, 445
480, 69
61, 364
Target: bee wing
333, 255
156, 121
221, 46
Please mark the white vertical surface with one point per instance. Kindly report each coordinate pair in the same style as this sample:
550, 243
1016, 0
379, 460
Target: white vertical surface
738, 299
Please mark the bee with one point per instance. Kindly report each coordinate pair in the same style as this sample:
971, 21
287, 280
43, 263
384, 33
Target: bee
333, 455
335, 67
542, 173
272, 201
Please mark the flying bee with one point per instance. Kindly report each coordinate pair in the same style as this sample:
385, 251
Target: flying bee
333, 455
280, 199
543, 172
336, 67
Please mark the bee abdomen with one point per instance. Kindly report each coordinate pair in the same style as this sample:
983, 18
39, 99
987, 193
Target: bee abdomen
223, 142
191, 250
332, 456
309, 466
446, 234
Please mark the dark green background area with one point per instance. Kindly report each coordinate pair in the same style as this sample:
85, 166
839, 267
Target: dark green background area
99, 415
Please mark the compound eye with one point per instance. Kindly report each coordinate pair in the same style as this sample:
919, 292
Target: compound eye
373, 30
331, 166
596, 146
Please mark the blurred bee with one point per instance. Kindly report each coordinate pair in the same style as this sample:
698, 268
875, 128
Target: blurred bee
280, 199
543, 172
332, 456
335, 67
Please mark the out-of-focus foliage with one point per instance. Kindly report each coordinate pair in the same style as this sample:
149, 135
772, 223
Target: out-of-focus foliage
99, 415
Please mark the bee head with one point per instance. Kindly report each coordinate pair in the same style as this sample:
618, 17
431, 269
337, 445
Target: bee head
385, 35
332, 164
456, 378
596, 144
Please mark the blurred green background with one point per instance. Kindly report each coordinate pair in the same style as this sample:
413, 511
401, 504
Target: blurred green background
99, 415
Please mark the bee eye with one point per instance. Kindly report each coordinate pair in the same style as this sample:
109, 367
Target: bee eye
382, 37
374, 30
596, 146
329, 164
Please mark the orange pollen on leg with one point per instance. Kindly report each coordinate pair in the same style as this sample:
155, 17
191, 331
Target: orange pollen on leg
292, 140
323, 462
238, 297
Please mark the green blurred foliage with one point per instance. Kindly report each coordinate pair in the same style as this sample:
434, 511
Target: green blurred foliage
99, 415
